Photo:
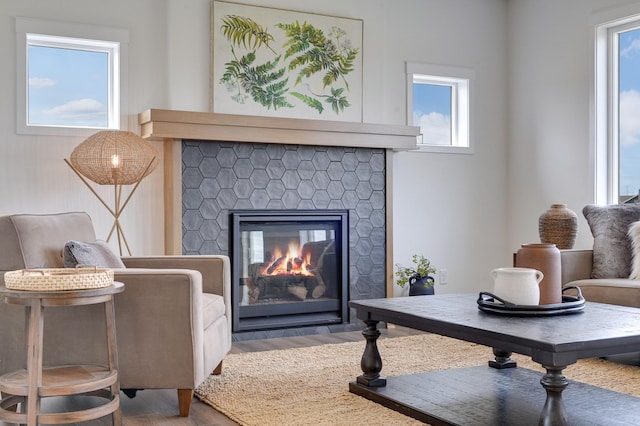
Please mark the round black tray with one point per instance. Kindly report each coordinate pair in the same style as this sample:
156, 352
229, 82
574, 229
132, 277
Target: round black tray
491, 303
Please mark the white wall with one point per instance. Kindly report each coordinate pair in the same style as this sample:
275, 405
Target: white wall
453, 207
551, 63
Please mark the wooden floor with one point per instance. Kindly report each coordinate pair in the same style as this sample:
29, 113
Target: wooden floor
160, 407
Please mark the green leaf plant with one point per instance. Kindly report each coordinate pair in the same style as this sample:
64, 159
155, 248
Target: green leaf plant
262, 83
244, 31
421, 269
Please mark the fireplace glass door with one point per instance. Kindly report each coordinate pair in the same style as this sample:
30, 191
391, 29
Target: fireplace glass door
289, 268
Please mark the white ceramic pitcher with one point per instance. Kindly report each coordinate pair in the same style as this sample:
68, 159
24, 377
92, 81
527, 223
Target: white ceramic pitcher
517, 285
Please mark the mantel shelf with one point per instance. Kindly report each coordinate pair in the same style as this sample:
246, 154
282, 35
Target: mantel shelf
169, 124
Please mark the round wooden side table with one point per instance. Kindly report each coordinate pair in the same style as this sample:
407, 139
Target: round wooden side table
28, 386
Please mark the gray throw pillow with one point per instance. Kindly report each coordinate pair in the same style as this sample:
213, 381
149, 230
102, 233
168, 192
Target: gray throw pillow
611, 247
97, 254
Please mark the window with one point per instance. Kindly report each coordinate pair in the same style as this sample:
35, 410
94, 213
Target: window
438, 100
617, 111
69, 77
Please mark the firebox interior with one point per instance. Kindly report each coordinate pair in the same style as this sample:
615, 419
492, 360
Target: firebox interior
289, 268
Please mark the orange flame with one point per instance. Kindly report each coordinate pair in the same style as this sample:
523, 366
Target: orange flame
289, 264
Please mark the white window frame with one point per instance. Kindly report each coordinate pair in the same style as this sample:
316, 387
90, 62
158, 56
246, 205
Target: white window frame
461, 81
606, 23
72, 36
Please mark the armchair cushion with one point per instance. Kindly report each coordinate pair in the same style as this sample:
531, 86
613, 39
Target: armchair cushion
212, 308
611, 246
97, 253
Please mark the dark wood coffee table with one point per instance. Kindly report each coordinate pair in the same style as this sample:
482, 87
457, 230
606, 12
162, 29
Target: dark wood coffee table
497, 394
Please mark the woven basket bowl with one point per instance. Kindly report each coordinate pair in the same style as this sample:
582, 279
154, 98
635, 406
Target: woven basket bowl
56, 279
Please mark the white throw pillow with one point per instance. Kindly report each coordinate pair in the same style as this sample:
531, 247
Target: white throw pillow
634, 236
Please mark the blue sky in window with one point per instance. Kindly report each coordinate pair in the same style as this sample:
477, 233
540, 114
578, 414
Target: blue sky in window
629, 80
432, 112
68, 87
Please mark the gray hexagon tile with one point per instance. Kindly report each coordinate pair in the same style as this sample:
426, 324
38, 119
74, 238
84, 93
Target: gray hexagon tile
191, 156
191, 177
291, 160
349, 161
320, 180
275, 189
321, 160
306, 190
191, 199
243, 168
221, 176
243, 150
306, 170
227, 157
275, 151
209, 167
259, 158
192, 220
335, 170
290, 179
275, 168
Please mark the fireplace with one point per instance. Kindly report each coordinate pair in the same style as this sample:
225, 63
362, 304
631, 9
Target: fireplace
215, 163
221, 177
289, 268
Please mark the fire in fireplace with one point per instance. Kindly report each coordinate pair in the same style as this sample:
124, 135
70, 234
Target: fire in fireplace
289, 268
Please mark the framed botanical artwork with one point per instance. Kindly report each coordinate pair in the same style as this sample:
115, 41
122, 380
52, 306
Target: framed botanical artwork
282, 63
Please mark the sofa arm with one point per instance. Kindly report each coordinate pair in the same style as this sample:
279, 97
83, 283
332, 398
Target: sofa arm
576, 265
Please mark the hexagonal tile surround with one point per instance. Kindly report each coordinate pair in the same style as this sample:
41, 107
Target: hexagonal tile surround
219, 176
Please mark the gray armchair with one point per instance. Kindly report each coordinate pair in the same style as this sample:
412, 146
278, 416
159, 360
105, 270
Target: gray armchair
173, 320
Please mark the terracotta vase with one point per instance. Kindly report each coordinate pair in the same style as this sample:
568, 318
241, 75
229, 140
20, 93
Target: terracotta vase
559, 226
546, 259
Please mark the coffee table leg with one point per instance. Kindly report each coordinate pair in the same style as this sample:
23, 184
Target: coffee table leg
502, 360
554, 383
371, 362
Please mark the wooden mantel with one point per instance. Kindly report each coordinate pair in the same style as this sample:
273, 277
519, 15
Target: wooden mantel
174, 126
166, 124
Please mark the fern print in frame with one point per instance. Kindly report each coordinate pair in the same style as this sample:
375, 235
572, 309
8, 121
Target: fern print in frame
281, 63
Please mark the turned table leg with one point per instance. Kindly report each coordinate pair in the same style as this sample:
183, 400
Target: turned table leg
554, 383
371, 362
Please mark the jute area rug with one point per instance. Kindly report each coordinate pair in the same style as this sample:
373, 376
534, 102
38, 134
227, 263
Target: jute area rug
309, 386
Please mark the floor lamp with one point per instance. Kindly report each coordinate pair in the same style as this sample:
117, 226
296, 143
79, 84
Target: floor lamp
118, 158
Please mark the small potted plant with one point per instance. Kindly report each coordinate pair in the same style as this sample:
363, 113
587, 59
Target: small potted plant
418, 277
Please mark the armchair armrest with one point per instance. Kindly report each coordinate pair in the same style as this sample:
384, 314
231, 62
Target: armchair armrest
576, 265
215, 270
153, 313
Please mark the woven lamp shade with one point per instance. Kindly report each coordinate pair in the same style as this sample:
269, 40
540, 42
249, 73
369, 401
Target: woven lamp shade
114, 157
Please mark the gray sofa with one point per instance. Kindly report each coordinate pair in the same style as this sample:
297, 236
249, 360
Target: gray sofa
603, 272
173, 321
577, 266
